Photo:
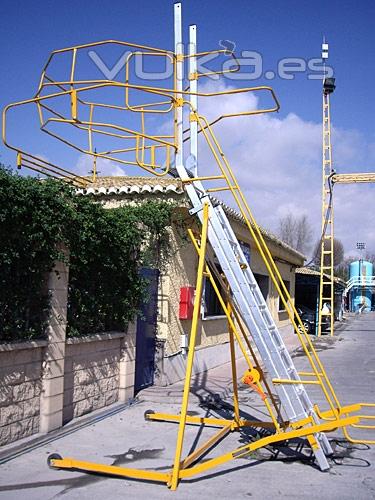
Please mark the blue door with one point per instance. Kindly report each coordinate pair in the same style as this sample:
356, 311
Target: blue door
146, 333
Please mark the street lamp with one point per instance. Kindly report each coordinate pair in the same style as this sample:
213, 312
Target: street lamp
361, 246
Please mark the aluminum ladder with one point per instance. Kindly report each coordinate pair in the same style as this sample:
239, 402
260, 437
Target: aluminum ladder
254, 311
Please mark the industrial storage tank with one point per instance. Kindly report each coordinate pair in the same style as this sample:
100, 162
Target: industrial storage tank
360, 295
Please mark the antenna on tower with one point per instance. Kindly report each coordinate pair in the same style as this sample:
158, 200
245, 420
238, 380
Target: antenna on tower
324, 50
328, 83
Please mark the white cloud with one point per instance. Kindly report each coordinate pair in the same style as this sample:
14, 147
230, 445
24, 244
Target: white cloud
104, 166
277, 162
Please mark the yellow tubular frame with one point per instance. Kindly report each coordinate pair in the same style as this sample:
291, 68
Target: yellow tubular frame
73, 87
185, 468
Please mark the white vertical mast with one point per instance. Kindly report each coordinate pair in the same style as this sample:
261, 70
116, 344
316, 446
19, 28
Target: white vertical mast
179, 51
193, 77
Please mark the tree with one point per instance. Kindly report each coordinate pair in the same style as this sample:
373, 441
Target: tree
370, 257
296, 232
342, 270
338, 253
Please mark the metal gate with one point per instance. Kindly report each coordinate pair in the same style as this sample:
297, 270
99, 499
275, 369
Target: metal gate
146, 333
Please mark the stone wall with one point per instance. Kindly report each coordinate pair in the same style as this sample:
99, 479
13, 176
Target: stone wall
44, 384
99, 371
20, 389
92, 368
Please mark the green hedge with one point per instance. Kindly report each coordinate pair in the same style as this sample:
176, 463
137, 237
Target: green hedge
106, 249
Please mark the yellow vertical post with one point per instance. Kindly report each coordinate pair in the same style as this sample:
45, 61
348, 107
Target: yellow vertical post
233, 361
94, 168
19, 160
73, 102
143, 132
190, 358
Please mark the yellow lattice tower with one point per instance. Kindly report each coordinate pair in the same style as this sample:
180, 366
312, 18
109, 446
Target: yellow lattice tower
327, 285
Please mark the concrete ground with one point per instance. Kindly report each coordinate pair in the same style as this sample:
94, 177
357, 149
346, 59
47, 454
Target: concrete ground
124, 438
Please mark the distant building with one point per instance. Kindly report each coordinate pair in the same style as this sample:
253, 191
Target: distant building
307, 290
361, 286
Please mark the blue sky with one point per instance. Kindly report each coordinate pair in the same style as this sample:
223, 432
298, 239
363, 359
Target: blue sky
276, 29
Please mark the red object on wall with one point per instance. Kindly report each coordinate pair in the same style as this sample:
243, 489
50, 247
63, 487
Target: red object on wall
186, 302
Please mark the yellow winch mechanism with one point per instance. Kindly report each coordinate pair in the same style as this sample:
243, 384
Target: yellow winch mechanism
132, 141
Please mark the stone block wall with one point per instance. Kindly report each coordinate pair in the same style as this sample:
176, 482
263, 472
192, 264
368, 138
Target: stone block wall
92, 367
46, 383
20, 389
98, 371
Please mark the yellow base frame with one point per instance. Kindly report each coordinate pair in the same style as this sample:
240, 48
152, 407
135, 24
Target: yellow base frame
283, 431
185, 470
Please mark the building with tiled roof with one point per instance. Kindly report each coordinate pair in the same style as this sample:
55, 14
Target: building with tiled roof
180, 271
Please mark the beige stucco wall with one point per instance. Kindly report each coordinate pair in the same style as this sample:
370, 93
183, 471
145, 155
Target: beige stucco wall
181, 271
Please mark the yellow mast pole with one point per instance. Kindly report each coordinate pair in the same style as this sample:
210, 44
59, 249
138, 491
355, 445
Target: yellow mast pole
327, 299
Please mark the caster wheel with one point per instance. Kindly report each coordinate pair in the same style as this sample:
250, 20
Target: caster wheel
147, 413
53, 456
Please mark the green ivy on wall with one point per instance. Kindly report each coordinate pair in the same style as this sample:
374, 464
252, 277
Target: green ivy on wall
107, 247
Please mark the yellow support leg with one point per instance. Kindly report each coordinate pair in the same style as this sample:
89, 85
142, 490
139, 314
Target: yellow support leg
190, 359
234, 368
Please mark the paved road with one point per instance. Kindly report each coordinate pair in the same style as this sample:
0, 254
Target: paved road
124, 438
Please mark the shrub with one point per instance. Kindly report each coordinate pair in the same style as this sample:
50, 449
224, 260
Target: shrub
106, 249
